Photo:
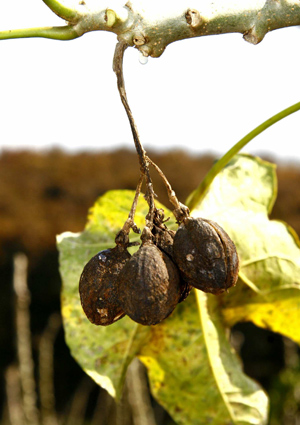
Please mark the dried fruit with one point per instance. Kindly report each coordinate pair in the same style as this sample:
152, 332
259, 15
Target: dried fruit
185, 290
98, 286
149, 285
164, 239
205, 255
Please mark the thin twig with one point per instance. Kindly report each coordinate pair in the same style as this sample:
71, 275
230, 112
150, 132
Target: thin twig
118, 69
122, 238
46, 375
13, 396
123, 410
80, 402
138, 394
171, 194
181, 211
26, 363
136, 197
144, 166
102, 413
129, 223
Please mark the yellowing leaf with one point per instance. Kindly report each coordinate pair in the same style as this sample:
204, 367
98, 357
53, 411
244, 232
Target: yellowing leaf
194, 372
103, 352
268, 292
278, 311
177, 353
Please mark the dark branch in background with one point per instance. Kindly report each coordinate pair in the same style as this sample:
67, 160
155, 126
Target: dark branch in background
46, 373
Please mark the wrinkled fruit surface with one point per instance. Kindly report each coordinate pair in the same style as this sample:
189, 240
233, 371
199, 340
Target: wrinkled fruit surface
149, 285
205, 255
185, 290
164, 239
98, 286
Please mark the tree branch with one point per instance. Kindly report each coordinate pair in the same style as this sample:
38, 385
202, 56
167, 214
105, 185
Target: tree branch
157, 24
151, 25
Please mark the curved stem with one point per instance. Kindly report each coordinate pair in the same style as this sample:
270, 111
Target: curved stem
171, 194
122, 237
118, 69
57, 33
181, 211
129, 223
62, 11
201, 190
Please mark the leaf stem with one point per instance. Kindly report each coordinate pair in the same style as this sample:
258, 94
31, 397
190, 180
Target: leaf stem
57, 33
60, 10
201, 190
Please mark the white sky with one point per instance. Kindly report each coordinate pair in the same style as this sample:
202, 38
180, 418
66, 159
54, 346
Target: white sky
201, 95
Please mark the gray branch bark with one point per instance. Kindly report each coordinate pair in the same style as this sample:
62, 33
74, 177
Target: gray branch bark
150, 25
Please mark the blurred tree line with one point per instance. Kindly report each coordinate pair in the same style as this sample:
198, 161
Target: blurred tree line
44, 194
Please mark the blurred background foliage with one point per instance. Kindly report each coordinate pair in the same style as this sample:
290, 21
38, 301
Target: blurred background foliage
44, 194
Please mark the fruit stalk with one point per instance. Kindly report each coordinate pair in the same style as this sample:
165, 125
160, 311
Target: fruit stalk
181, 211
122, 236
143, 160
171, 194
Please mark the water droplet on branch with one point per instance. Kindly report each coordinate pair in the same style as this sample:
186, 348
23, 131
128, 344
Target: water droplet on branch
143, 59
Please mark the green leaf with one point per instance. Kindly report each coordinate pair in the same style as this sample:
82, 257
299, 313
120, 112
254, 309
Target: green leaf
194, 372
103, 352
268, 292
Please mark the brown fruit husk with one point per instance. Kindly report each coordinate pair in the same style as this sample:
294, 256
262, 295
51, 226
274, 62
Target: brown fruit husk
205, 255
185, 290
98, 286
164, 239
149, 288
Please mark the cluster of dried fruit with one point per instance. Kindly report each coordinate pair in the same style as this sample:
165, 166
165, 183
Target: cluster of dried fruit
148, 285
